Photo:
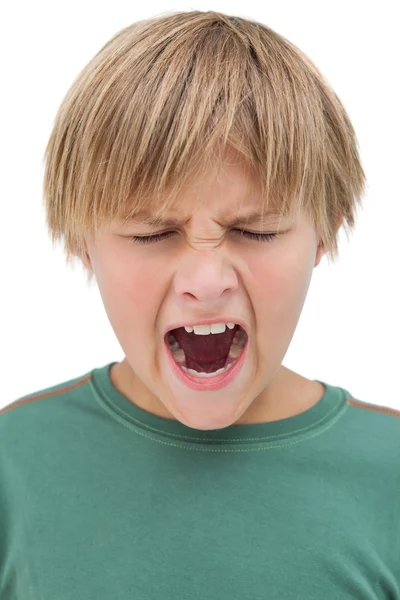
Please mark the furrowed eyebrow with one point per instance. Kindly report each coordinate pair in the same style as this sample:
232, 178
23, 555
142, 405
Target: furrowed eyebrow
152, 221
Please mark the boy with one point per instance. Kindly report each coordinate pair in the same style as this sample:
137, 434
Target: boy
199, 168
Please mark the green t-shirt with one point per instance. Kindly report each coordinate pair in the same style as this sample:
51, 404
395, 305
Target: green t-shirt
101, 500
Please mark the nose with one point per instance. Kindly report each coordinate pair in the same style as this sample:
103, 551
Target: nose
205, 278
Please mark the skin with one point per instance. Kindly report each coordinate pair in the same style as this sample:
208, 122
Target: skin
204, 269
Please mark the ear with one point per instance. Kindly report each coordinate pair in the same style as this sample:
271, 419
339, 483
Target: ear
320, 253
86, 260
321, 250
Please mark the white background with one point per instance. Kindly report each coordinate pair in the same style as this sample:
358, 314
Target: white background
53, 328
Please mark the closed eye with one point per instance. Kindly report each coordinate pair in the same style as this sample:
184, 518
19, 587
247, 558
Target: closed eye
148, 239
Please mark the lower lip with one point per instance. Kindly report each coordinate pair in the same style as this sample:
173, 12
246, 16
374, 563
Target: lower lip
203, 385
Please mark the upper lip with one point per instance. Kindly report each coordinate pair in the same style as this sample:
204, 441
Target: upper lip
208, 322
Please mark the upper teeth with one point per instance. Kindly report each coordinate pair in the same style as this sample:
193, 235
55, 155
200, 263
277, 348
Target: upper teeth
207, 329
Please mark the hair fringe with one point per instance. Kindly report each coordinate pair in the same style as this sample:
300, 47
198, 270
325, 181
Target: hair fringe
166, 97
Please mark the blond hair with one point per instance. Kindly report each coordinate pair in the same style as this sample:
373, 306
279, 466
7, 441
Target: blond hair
167, 95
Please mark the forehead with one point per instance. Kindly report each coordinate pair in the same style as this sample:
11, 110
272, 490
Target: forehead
146, 217
230, 186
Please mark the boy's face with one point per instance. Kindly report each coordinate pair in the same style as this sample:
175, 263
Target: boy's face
205, 269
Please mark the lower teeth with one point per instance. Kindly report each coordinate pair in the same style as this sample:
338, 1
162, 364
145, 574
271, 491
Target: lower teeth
205, 375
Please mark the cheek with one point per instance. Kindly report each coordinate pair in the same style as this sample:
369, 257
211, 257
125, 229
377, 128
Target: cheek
278, 294
139, 288
129, 293
282, 281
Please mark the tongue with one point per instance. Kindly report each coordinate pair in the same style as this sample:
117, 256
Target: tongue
205, 353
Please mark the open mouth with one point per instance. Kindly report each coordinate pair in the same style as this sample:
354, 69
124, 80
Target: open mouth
206, 355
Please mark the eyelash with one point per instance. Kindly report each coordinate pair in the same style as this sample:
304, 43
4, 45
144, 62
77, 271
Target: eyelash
148, 239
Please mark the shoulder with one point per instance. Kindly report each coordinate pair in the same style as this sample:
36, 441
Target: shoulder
38, 409
53, 391
378, 409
